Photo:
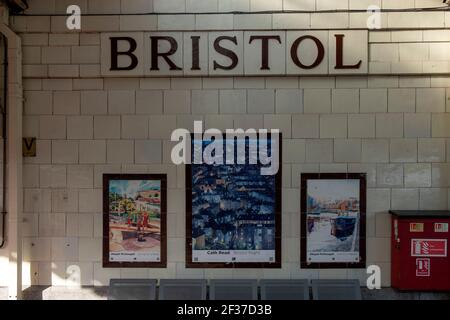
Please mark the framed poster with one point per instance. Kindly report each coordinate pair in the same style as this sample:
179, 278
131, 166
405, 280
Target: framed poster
233, 211
333, 220
134, 220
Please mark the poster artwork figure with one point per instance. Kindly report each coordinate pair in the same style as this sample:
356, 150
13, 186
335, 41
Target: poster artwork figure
135, 214
333, 213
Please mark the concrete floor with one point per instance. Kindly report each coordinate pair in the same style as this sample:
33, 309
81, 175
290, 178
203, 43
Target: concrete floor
65, 293
100, 293
392, 294
3, 293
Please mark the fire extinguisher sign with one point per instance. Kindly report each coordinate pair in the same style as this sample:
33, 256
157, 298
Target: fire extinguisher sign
428, 247
423, 267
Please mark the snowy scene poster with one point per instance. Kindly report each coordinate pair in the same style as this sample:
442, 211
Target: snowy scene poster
233, 214
134, 220
333, 219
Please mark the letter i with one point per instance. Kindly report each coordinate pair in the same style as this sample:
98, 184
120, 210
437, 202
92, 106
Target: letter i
198, 142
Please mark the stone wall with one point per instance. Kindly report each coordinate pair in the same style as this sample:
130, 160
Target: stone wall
211, 6
396, 128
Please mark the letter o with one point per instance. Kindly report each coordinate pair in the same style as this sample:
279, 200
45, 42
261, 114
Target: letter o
320, 52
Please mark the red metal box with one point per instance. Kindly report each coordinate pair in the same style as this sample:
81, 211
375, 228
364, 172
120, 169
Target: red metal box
419, 250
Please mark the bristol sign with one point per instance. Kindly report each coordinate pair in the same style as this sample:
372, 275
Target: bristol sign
235, 53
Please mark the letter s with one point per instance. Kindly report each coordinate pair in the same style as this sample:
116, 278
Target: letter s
226, 52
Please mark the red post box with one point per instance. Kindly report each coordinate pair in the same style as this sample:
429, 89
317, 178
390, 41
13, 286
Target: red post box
419, 250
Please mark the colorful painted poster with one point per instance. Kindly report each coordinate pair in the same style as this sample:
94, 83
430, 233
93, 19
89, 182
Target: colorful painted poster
134, 220
332, 214
234, 213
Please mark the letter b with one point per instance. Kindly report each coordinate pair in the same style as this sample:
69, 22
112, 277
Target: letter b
115, 53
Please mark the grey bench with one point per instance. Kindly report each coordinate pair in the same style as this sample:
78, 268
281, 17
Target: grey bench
182, 289
284, 289
336, 289
228, 289
132, 289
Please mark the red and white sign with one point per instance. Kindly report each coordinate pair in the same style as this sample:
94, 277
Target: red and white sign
441, 227
428, 247
416, 227
423, 267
